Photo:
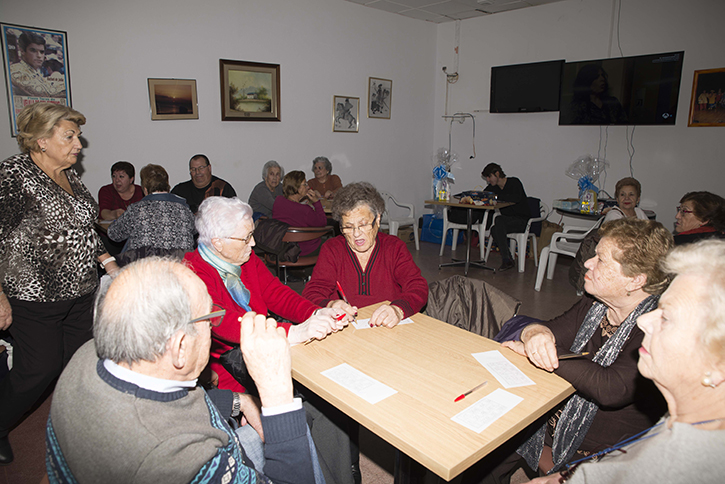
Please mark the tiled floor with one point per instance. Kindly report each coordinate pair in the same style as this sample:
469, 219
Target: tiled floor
377, 461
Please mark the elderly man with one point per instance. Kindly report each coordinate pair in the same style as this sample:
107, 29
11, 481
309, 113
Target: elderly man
26, 75
127, 408
262, 197
202, 184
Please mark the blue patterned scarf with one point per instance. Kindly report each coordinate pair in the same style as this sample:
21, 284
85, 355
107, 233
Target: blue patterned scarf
230, 274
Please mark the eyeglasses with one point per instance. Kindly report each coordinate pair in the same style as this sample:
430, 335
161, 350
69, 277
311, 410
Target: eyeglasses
215, 317
245, 239
361, 228
198, 169
683, 210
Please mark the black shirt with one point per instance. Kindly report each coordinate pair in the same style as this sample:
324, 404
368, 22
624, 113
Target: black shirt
194, 196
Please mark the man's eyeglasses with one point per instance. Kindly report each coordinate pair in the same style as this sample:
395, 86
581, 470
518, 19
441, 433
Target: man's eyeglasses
198, 169
683, 210
215, 317
245, 239
350, 229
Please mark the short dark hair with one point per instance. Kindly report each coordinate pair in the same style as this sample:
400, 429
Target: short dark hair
491, 169
708, 208
27, 38
292, 182
204, 157
349, 197
125, 167
154, 179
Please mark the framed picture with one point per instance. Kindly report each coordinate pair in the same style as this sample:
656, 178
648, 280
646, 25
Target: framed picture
707, 105
249, 91
345, 114
380, 92
36, 68
173, 99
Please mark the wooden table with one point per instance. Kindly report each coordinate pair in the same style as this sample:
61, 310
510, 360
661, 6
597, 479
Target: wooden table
429, 363
469, 224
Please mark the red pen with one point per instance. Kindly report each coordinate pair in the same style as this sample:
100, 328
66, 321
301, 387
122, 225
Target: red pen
463, 395
344, 298
338, 318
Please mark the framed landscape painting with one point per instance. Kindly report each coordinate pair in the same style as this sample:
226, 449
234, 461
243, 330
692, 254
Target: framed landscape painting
173, 99
345, 114
249, 91
380, 92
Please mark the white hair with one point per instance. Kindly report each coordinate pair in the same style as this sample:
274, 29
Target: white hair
145, 305
706, 260
271, 164
220, 217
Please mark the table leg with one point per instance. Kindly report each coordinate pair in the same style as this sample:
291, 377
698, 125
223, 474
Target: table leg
468, 262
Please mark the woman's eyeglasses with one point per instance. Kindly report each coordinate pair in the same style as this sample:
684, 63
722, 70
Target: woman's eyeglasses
683, 210
215, 317
245, 239
350, 229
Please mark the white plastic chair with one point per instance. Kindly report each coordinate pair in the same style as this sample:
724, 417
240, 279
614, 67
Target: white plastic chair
394, 222
455, 227
519, 239
564, 243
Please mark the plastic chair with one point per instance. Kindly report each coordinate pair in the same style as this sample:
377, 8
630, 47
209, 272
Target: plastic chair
519, 239
482, 233
298, 234
564, 243
394, 223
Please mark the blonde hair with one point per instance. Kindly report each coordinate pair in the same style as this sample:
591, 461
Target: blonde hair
39, 120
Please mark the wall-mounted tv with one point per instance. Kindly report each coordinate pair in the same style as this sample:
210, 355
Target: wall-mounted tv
638, 90
525, 88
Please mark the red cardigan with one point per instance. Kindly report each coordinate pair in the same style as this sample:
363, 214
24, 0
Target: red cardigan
266, 293
300, 215
391, 274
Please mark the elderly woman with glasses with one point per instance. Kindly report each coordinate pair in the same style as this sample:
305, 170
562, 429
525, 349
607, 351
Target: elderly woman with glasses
700, 215
369, 266
683, 353
300, 207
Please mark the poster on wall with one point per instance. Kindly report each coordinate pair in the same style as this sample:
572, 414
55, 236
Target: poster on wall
36, 68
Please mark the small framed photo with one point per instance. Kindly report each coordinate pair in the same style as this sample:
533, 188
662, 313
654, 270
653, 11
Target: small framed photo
345, 114
173, 99
707, 105
36, 68
249, 91
380, 93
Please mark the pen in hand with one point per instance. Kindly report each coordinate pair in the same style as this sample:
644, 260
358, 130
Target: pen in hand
339, 318
573, 355
464, 395
344, 298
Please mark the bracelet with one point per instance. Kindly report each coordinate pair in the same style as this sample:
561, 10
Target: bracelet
236, 405
107, 261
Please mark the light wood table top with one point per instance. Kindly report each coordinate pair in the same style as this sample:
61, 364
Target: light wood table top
429, 363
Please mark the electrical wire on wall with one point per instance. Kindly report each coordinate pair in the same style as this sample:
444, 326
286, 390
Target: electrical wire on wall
453, 78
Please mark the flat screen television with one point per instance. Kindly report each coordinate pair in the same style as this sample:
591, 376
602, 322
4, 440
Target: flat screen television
525, 88
638, 90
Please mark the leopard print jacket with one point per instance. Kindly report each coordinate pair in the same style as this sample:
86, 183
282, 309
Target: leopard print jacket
48, 247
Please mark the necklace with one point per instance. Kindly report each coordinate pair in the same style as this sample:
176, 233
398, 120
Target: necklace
608, 329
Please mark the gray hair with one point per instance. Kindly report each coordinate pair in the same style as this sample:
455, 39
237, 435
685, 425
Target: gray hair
272, 164
141, 310
349, 197
219, 217
323, 159
706, 260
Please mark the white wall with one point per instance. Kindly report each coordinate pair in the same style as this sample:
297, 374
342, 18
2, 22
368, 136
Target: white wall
324, 47
668, 161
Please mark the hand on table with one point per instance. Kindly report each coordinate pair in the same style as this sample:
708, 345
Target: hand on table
386, 315
328, 194
340, 304
540, 346
6, 312
322, 322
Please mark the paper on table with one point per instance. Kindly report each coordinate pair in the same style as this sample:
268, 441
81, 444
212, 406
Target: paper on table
502, 369
365, 323
359, 383
487, 410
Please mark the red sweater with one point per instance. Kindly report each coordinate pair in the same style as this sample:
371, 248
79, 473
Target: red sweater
391, 274
109, 199
300, 215
266, 293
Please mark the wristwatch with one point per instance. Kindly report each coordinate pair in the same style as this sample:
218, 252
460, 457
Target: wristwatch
236, 405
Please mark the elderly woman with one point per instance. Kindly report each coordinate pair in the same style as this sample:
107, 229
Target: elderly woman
683, 352
262, 197
325, 184
300, 207
700, 215
114, 199
160, 224
370, 266
627, 192
612, 401
48, 257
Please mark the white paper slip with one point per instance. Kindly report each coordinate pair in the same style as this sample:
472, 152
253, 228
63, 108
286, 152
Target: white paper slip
365, 323
503, 370
487, 410
359, 383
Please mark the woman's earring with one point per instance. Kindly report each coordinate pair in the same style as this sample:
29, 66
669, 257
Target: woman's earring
707, 380
42, 149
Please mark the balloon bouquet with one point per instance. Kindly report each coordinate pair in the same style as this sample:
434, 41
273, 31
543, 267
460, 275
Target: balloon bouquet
586, 171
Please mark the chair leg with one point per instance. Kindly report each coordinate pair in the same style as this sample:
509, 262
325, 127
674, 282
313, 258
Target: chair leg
393, 228
443, 240
542, 268
552, 265
535, 250
454, 240
489, 242
415, 235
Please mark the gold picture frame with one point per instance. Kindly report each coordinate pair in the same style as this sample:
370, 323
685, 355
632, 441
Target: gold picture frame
250, 91
173, 99
707, 86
